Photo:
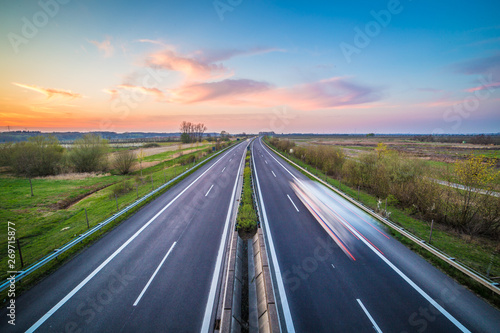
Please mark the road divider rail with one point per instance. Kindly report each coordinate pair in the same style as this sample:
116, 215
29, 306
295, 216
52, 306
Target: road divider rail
477, 276
57, 252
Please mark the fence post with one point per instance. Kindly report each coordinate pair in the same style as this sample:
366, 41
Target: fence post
31, 186
87, 218
20, 254
489, 266
137, 190
432, 226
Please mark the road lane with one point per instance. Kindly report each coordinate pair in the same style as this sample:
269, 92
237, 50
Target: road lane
175, 299
322, 290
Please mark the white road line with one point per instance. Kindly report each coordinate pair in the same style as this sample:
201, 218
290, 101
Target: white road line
230, 159
266, 162
153, 276
279, 163
223, 170
209, 189
401, 274
218, 264
292, 202
375, 326
273, 174
333, 266
120, 249
279, 280
407, 279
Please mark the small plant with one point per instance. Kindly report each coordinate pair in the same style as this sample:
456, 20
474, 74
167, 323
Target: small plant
121, 188
150, 145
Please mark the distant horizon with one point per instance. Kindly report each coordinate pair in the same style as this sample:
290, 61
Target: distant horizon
250, 133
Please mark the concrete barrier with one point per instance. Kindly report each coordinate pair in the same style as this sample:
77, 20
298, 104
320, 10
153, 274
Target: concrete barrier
266, 304
230, 314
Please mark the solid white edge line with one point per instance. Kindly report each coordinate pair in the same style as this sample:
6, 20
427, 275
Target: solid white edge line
273, 173
260, 141
209, 189
279, 280
153, 276
401, 274
375, 326
292, 202
215, 277
101, 266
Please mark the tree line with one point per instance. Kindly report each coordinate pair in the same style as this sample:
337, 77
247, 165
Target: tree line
44, 156
191, 132
405, 183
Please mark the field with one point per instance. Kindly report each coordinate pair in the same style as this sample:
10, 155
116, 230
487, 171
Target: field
56, 212
438, 156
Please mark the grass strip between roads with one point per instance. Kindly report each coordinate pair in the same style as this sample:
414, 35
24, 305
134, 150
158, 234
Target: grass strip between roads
475, 255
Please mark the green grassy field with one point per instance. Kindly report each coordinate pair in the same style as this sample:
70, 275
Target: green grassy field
56, 212
169, 154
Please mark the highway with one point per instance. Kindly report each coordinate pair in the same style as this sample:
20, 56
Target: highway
158, 271
345, 273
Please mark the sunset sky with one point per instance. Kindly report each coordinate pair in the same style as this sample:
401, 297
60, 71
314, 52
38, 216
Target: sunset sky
240, 65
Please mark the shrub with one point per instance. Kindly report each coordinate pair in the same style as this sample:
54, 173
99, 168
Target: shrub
123, 161
121, 188
89, 154
40, 156
150, 145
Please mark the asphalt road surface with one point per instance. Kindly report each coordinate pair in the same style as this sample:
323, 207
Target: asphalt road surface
158, 271
345, 273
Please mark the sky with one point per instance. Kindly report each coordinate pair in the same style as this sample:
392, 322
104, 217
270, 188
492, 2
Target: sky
248, 66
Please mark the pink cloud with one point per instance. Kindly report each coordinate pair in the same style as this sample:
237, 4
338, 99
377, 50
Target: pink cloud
193, 69
49, 92
325, 94
483, 87
227, 91
143, 90
105, 47
113, 92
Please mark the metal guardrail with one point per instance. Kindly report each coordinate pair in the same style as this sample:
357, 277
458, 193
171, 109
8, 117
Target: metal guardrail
57, 252
475, 275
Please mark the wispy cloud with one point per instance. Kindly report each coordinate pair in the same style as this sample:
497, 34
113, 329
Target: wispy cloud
113, 92
484, 86
226, 91
486, 65
326, 94
49, 92
193, 69
105, 47
143, 90
210, 56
